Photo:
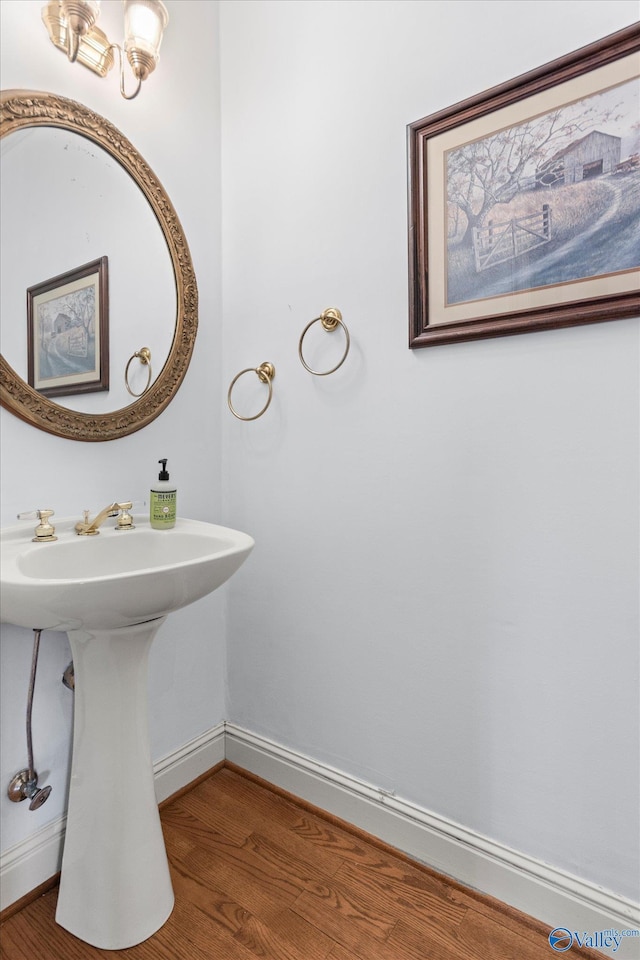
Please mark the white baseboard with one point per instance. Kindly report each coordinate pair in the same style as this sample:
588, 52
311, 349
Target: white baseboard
538, 889
550, 895
188, 763
33, 861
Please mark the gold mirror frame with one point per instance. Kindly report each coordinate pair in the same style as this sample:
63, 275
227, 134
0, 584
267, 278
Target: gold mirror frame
24, 108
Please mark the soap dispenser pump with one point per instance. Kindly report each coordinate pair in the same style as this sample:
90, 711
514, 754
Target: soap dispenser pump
163, 500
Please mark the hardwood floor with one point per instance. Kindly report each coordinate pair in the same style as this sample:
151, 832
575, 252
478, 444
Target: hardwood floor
258, 874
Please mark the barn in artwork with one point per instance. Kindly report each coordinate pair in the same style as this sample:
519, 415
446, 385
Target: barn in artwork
590, 156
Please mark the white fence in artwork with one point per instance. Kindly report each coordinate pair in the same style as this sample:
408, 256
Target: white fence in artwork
497, 242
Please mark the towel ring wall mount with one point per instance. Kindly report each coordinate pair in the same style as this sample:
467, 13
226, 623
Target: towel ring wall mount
265, 372
144, 356
331, 318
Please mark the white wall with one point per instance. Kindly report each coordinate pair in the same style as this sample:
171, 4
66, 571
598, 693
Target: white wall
443, 599
174, 124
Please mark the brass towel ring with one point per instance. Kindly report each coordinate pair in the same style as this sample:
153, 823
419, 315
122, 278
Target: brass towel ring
330, 319
144, 356
266, 372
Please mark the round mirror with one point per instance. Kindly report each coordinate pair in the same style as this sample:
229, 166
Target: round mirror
83, 262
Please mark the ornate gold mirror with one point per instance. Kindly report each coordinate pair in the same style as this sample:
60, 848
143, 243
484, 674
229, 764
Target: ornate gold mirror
20, 113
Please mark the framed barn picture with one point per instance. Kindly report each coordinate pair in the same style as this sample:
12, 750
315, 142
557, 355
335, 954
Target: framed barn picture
524, 201
68, 332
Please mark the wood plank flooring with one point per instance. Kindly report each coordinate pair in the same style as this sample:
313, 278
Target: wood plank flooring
258, 874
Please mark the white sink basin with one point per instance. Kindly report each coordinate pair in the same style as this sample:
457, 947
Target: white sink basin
111, 593
115, 579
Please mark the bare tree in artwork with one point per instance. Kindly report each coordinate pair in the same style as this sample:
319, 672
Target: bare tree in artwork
492, 171
550, 200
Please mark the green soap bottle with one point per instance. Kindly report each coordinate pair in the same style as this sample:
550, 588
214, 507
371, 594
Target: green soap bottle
163, 499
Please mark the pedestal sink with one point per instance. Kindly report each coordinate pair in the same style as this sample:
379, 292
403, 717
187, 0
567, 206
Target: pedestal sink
111, 593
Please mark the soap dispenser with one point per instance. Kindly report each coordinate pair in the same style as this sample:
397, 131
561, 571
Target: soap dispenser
163, 501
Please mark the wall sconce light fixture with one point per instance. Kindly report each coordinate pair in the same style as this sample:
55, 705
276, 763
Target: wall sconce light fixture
71, 27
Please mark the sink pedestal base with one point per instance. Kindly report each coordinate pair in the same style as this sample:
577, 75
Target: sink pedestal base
115, 888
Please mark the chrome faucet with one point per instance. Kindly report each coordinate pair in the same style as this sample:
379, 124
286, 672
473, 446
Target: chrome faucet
89, 528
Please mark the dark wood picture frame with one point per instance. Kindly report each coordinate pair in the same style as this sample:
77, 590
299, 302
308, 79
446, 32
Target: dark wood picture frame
434, 318
68, 332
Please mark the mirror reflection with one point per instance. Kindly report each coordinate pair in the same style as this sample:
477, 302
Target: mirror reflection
66, 202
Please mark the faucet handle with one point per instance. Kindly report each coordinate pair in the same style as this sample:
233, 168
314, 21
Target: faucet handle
45, 531
125, 520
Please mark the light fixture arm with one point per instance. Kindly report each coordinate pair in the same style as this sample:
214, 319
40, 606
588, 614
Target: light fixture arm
127, 96
80, 17
73, 45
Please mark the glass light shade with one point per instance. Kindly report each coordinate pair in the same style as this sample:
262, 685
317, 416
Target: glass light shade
144, 24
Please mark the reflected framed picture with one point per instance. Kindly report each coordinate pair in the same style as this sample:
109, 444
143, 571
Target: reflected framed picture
524, 201
68, 332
